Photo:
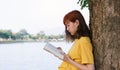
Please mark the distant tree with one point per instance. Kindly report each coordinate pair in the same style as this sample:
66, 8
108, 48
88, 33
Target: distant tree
41, 35
5, 34
21, 34
51, 37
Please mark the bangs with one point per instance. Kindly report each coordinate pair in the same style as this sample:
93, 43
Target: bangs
66, 22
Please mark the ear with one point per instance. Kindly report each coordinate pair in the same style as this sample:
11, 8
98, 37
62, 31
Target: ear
77, 22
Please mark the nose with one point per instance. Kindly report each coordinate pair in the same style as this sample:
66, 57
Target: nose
68, 29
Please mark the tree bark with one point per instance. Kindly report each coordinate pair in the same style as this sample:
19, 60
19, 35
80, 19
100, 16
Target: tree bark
105, 28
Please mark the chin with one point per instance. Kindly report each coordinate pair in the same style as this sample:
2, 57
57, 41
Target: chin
72, 34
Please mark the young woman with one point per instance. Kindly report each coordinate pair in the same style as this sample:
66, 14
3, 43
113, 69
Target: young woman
80, 56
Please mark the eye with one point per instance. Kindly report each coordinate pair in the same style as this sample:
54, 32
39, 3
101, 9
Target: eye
68, 25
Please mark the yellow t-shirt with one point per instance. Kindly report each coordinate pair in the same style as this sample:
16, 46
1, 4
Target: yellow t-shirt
81, 52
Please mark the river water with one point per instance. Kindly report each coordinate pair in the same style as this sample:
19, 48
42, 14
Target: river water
29, 56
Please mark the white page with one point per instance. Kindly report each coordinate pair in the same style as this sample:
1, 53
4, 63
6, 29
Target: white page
52, 49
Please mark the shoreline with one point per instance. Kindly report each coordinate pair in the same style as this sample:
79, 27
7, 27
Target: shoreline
16, 41
22, 41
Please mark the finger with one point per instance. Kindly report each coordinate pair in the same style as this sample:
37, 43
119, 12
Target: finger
58, 47
63, 53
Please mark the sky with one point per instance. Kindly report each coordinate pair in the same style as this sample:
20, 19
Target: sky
37, 15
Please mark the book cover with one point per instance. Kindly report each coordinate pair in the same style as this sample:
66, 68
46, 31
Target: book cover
53, 50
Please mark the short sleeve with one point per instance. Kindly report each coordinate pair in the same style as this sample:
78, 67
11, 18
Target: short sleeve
86, 51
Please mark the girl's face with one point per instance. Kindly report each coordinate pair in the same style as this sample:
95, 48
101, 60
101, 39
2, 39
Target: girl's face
72, 27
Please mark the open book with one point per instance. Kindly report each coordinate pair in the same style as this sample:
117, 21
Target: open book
52, 49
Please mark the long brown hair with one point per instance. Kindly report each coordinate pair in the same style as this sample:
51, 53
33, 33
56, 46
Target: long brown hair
83, 30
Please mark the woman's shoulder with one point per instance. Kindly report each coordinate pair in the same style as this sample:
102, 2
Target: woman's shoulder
84, 39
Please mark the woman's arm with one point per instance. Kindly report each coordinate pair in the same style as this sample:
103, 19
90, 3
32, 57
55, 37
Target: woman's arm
79, 66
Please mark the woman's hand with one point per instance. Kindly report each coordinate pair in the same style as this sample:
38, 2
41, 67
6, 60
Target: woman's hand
66, 57
60, 50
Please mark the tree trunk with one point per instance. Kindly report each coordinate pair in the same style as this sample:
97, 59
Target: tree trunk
105, 28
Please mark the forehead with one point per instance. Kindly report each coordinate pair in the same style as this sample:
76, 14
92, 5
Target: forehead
67, 22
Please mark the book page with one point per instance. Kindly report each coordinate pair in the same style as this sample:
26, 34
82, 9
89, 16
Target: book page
53, 50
